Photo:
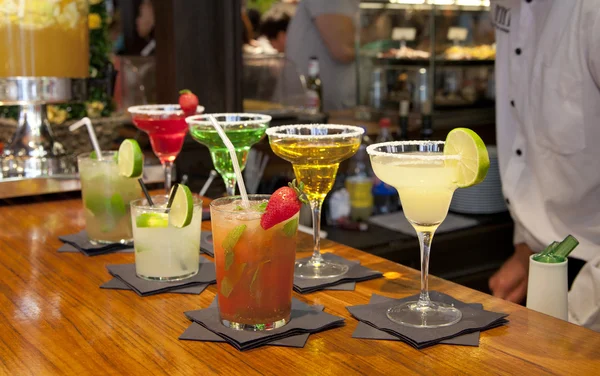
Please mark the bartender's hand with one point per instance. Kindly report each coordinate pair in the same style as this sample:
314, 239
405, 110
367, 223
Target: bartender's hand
510, 282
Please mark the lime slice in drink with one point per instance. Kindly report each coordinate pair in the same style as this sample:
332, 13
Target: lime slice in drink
152, 220
130, 159
474, 160
182, 209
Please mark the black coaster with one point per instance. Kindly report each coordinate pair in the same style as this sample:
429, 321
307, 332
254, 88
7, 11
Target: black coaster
206, 243
126, 273
473, 320
356, 273
81, 242
68, 248
196, 332
118, 284
365, 331
304, 320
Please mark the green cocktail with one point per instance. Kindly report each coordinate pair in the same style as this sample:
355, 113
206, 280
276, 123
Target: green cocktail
243, 130
106, 196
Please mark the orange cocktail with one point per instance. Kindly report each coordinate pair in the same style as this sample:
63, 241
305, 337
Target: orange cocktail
44, 38
255, 267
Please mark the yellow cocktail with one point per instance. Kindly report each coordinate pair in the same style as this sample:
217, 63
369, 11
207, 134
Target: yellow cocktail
44, 38
315, 152
426, 174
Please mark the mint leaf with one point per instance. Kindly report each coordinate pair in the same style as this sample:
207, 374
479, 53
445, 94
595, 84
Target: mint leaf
262, 207
238, 208
255, 275
226, 287
229, 243
289, 229
260, 326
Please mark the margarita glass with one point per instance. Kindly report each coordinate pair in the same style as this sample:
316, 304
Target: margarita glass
315, 151
243, 130
166, 128
426, 179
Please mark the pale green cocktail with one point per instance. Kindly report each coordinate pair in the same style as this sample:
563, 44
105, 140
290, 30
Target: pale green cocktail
164, 252
106, 197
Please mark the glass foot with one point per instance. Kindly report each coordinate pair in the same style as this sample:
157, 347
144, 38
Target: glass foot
255, 327
167, 279
323, 269
433, 315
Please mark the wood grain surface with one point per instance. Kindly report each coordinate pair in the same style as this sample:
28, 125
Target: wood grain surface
54, 319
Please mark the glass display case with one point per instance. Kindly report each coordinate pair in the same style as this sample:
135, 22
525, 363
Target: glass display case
436, 56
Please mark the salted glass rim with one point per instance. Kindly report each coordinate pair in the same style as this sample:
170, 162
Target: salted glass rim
355, 131
160, 109
434, 156
203, 119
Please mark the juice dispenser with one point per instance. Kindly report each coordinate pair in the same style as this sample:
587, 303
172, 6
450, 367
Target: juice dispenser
43, 60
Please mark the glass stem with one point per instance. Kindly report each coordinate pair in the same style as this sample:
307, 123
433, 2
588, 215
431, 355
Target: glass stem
316, 205
230, 186
425, 238
168, 169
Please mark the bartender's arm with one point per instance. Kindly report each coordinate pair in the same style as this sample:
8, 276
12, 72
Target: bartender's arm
337, 31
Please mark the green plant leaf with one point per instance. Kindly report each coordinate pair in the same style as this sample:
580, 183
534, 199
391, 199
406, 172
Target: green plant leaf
229, 243
289, 229
262, 207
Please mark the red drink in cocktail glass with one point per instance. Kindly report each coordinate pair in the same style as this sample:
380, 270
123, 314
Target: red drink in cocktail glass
166, 127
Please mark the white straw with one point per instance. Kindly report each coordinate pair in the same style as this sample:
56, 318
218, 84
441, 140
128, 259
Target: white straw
88, 123
234, 161
212, 175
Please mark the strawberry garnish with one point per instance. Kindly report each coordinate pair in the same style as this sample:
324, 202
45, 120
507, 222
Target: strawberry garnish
283, 204
188, 101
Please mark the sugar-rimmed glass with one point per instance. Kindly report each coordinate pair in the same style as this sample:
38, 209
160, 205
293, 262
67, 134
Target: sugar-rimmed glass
426, 179
166, 127
243, 130
315, 151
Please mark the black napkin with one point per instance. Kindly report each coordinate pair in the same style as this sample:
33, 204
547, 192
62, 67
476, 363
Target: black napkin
196, 332
304, 320
365, 331
126, 273
473, 320
356, 273
206, 243
81, 242
118, 284
70, 249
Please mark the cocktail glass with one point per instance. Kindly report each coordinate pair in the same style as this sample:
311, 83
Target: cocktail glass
106, 198
255, 267
243, 130
166, 127
426, 180
164, 252
315, 151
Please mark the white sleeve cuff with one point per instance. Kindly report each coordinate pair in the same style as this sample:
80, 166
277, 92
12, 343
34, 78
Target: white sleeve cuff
519, 233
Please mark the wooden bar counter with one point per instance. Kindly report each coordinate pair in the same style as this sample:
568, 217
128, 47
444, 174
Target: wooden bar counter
54, 319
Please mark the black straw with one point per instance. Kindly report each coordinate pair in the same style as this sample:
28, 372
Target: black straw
146, 193
172, 195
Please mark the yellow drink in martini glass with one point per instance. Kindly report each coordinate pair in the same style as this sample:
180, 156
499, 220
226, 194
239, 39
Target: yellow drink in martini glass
315, 151
426, 174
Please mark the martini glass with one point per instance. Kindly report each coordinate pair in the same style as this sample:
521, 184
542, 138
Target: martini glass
426, 180
243, 130
315, 151
166, 128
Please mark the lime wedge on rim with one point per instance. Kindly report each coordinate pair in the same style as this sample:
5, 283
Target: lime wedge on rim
182, 209
130, 159
474, 160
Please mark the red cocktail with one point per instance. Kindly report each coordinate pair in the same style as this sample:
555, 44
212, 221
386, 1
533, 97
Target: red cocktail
166, 127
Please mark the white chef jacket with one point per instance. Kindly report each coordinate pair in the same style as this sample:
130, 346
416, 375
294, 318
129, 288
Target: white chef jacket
548, 119
548, 127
